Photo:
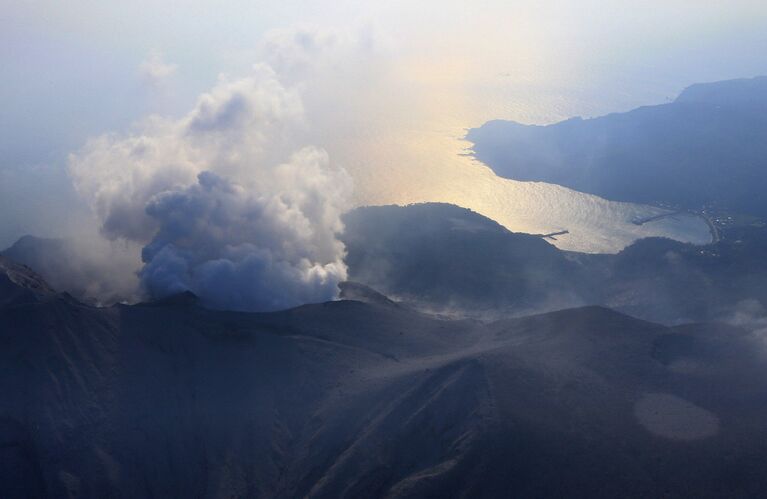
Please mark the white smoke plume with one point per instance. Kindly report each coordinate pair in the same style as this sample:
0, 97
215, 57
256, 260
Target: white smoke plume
232, 201
251, 249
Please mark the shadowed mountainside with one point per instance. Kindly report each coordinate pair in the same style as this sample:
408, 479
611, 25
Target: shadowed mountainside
20, 284
76, 268
448, 259
444, 259
706, 148
351, 399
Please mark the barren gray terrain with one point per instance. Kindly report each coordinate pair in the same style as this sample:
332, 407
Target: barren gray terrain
366, 398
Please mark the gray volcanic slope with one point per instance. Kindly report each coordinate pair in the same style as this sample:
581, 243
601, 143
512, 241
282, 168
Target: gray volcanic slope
354, 399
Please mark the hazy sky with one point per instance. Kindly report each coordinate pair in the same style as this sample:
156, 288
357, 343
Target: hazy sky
78, 69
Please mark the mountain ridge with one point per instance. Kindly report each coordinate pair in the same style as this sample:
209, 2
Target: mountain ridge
704, 149
347, 398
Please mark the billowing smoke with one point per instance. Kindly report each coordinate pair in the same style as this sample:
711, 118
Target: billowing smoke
230, 201
240, 129
250, 249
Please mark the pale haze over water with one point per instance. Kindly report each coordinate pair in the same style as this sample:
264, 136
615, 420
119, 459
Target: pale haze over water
396, 122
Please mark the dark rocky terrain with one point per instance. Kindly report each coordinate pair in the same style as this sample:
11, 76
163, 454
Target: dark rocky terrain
448, 259
369, 399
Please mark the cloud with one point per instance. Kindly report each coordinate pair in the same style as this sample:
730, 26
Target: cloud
240, 129
231, 201
303, 53
251, 249
87, 266
155, 71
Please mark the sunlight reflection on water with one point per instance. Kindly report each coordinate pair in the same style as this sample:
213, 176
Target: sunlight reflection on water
435, 167
403, 143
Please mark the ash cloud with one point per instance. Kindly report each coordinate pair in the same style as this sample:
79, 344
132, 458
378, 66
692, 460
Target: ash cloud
245, 250
232, 201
